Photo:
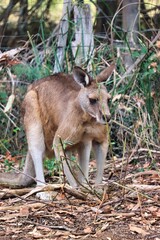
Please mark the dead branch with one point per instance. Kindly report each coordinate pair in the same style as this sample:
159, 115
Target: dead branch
27, 192
14, 208
143, 187
117, 214
73, 192
7, 193
150, 172
138, 61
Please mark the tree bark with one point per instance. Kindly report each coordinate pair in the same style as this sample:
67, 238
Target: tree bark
62, 37
83, 45
130, 27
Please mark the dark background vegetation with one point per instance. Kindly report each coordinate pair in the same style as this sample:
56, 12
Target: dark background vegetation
19, 17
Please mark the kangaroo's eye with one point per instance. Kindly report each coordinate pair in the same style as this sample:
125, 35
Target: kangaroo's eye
93, 100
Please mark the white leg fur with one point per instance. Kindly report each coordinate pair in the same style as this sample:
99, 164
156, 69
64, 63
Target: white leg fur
100, 151
68, 174
84, 157
36, 148
34, 133
29, 171
58, 153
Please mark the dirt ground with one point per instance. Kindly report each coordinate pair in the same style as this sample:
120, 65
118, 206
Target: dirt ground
124, 208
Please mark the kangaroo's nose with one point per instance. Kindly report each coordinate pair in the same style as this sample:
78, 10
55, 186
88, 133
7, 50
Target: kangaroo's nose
106, 118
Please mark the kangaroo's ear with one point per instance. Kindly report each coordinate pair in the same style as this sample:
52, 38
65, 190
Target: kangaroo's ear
106, 73
81, 77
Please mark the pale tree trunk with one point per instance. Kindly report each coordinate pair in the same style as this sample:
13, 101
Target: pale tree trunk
62, 37
83, 45
130, 26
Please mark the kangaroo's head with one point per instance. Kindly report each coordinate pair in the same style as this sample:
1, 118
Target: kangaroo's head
93, 96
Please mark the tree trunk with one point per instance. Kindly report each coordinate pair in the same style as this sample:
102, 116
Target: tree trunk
130, 27
83, 45
62, 37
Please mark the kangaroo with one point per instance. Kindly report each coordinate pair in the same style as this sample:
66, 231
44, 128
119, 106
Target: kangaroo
68, 108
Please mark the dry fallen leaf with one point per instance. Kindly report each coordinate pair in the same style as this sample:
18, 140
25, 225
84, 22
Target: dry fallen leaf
158, 213
153, 64
116, 97
121, 106
96, 210
74, 236
158, 44
9, 103
139, 230
35, 233
87, 230
107, 209
24, 211
10, 217
135, 208
153, 209
104, 227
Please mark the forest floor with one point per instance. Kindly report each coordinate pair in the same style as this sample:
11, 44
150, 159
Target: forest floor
128, 209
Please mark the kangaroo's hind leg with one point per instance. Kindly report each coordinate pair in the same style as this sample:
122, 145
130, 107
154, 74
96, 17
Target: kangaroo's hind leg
34, 133
28, 176
17, 180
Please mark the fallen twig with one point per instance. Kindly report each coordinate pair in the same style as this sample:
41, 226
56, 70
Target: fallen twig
118, 214
6, 193
150, 172
143, 187
13, 208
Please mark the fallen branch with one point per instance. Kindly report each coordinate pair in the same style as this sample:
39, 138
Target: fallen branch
143, 187
14, 208
129, 214
27, 192
150, 172
7, 193
77, 194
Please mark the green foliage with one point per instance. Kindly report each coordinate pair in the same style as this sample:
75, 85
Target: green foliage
50, 165
3, 96
10, 131
28, 73
135, 103
8, 165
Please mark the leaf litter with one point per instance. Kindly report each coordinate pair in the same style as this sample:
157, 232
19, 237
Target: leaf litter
119, 209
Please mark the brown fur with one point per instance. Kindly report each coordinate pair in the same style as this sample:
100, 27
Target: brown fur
73, 108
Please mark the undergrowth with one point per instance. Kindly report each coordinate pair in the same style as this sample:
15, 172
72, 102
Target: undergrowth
135, 101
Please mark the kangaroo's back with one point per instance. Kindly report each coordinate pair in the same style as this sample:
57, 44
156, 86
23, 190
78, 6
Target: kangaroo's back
50, 97
54, 93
